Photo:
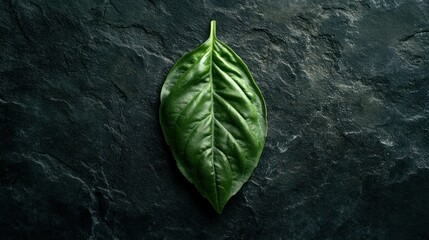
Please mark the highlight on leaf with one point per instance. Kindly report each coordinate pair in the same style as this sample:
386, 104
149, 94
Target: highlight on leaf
214, 119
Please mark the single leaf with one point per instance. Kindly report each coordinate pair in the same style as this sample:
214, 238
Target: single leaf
214, 118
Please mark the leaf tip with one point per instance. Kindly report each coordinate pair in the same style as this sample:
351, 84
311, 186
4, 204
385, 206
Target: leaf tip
219, 209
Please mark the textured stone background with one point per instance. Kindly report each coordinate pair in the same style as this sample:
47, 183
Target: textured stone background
346, 85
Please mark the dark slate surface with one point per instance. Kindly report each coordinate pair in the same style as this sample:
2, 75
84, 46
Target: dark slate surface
346, 85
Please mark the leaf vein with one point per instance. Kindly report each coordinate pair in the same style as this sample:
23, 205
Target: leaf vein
220, 98
233, 138
232, 81
188, 104
192, 131
192, 67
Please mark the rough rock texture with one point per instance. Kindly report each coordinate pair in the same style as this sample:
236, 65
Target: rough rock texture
347, 89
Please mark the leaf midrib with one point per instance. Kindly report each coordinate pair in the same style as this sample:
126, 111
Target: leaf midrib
212, 41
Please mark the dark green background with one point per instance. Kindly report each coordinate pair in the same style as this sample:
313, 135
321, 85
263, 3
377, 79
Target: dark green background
347, 90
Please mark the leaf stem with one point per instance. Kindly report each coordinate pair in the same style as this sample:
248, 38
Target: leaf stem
213, 29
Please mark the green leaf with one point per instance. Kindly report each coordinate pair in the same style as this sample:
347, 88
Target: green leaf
214, 118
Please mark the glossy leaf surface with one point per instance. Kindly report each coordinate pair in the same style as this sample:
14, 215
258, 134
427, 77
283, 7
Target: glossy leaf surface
213, 117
